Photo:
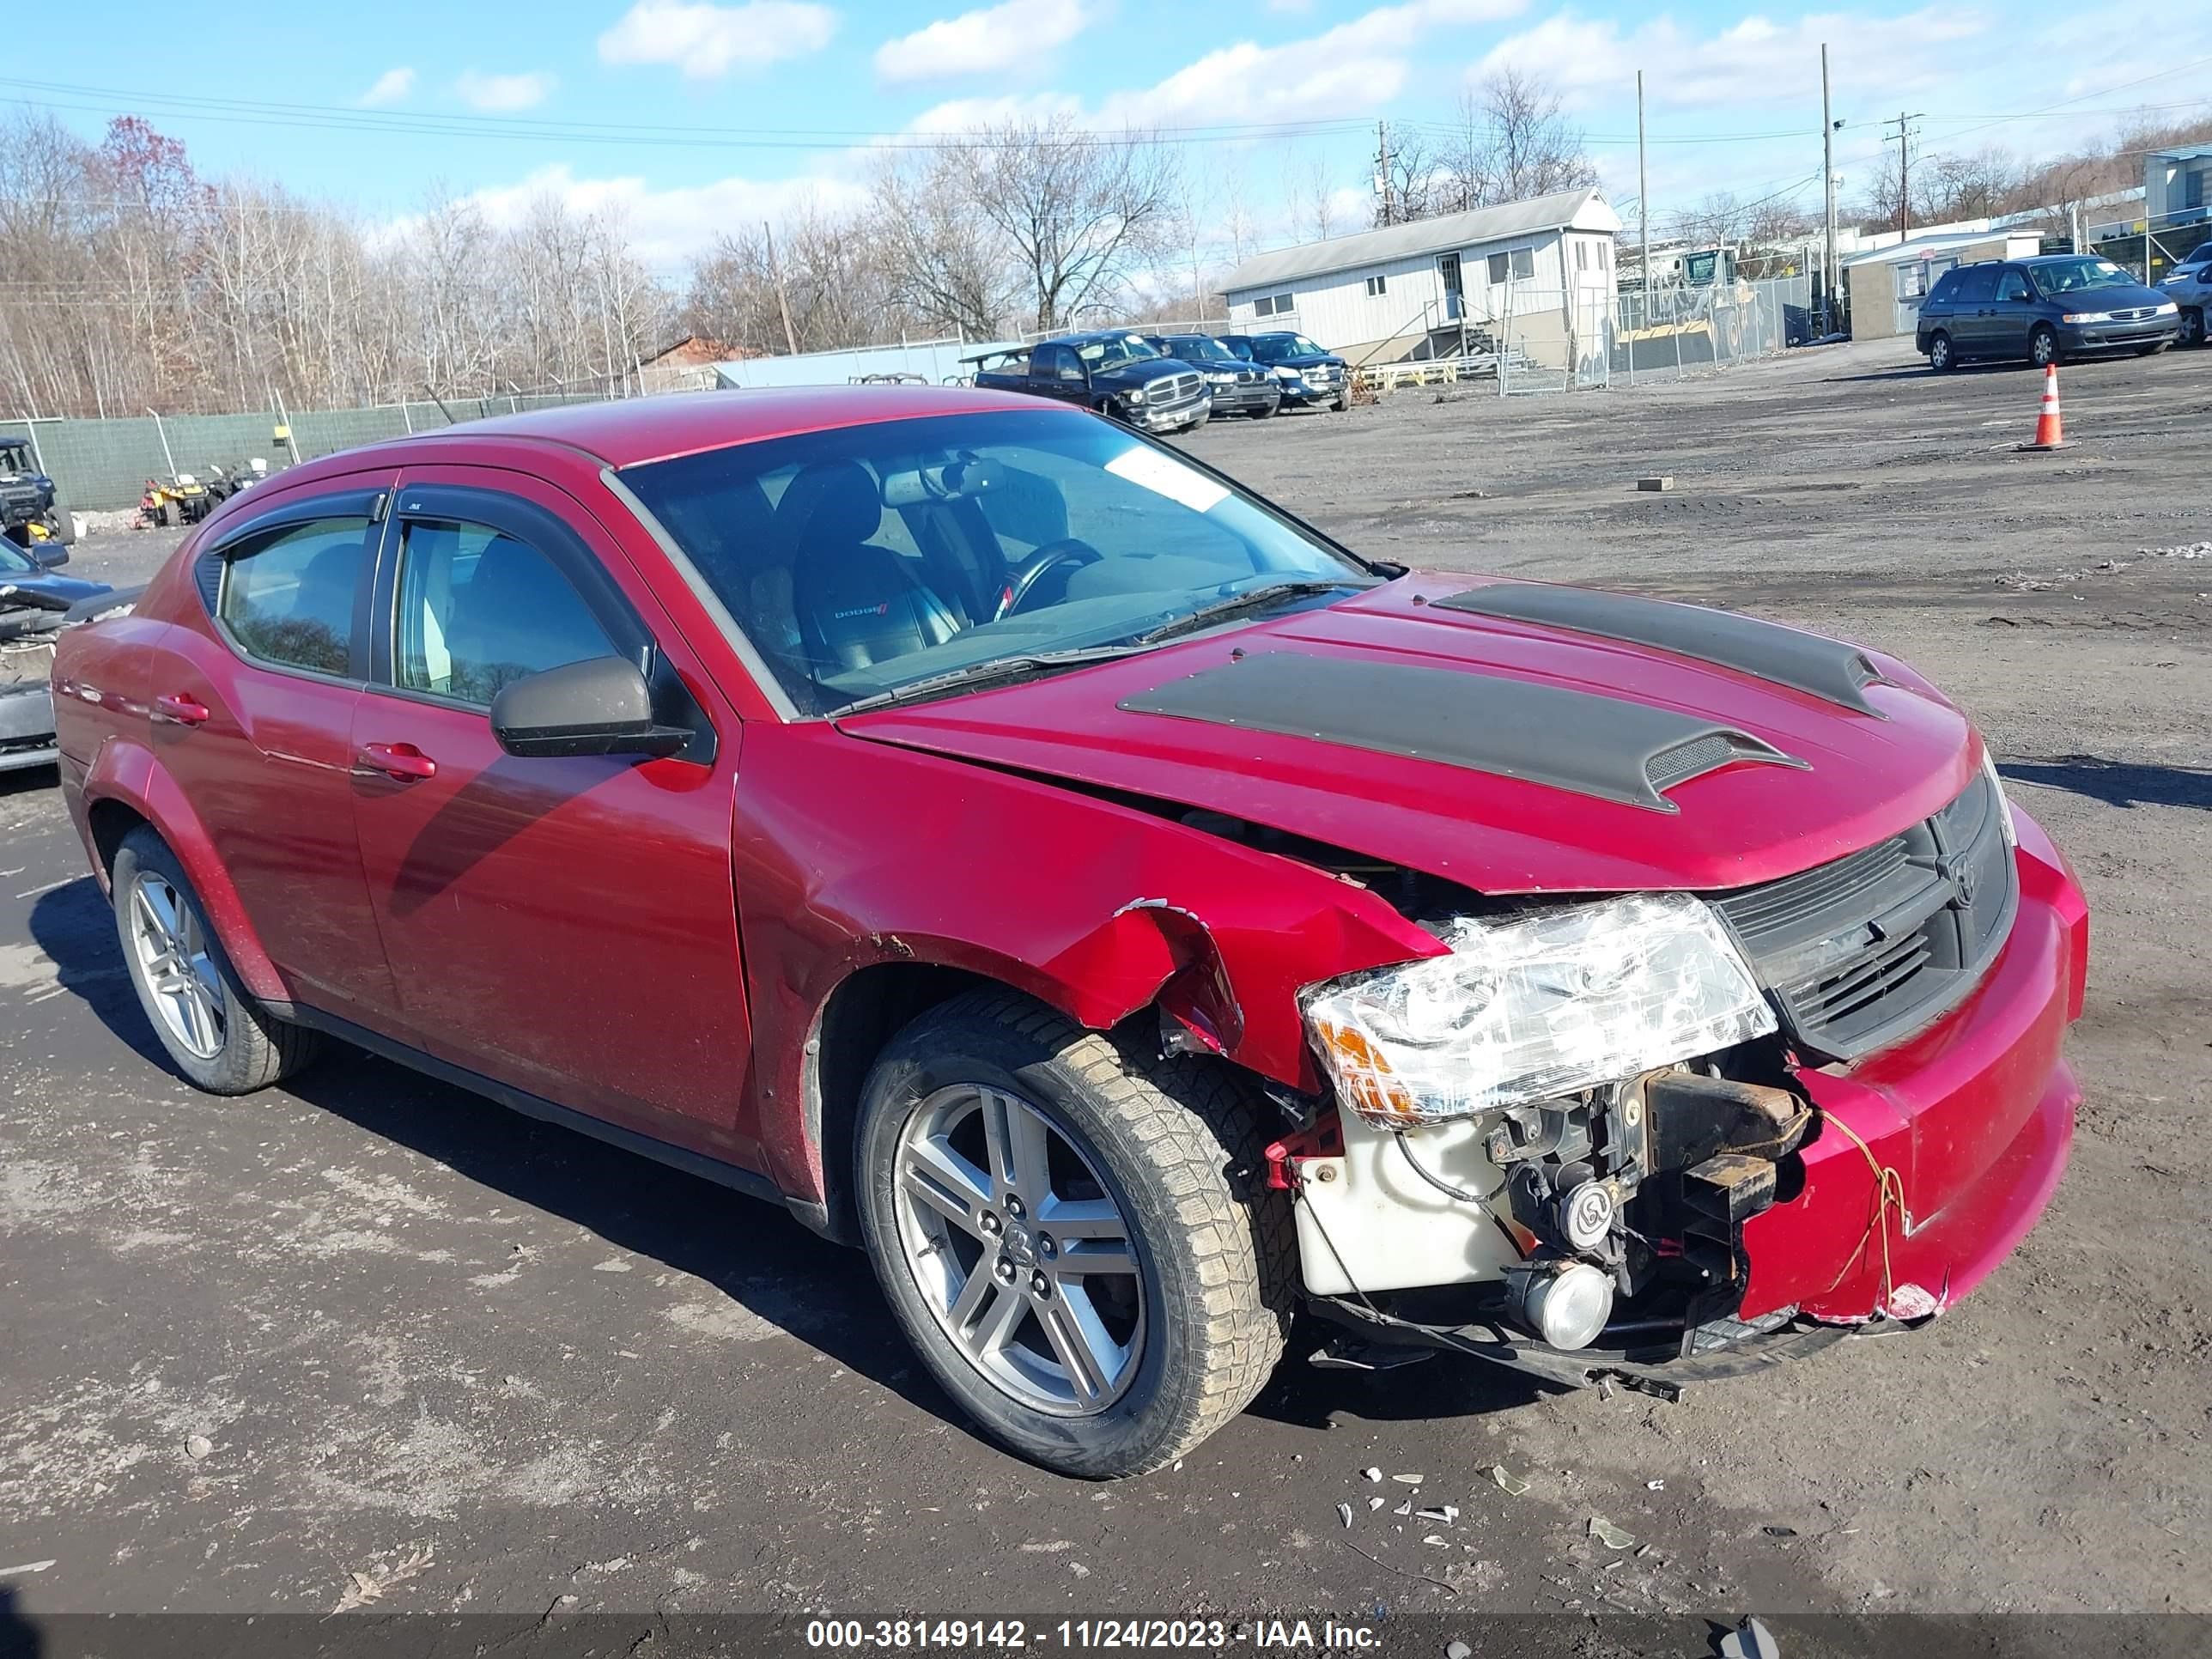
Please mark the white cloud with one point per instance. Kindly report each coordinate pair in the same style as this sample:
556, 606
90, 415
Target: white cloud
1297, 6
707, 41
389, 88
981, 42
1347, 70
502, 95
1591, 60
667, 228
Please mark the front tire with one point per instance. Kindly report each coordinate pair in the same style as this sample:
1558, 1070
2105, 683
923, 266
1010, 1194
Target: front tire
1077, 1236
1941, 357
214, 1032
2192, 326
2043, 346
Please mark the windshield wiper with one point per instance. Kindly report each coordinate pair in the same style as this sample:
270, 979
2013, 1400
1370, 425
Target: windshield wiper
998, 670
1251, 599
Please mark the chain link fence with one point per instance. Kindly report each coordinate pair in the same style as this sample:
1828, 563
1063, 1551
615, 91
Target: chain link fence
97, 465
1553, 340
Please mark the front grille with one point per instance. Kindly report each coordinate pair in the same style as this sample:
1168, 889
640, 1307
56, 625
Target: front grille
1175, 388
2136, 315
1863, 951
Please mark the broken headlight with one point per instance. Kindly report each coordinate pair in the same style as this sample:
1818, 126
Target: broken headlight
1531, 1007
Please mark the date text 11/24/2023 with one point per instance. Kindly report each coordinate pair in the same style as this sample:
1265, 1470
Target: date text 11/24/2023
1001, 1635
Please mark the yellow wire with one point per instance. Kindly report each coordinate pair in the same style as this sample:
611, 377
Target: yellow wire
1889, 1191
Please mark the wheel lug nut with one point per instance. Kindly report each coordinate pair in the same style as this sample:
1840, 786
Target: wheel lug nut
1040, 1284
1004, 1270
1046, 1248
1013, 1206
992, 1224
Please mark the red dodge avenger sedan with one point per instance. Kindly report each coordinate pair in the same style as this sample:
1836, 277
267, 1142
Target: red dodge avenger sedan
1129, 916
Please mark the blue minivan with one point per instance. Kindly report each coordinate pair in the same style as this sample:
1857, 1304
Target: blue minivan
2055, 306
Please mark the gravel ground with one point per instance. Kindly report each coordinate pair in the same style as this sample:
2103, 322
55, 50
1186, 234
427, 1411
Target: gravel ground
444, 1359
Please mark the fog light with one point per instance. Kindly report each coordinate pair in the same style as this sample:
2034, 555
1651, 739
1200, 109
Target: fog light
1566, 1302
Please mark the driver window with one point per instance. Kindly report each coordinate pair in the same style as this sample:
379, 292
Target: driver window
2012, 286
479, 610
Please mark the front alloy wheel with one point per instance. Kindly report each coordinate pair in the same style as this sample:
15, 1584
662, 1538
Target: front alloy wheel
1075, 1233
2043, 347
1019, 1250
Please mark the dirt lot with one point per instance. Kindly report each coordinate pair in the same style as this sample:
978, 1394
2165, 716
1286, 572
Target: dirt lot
448, 1359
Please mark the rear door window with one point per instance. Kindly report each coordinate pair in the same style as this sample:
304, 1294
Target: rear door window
287, 598
1973, 287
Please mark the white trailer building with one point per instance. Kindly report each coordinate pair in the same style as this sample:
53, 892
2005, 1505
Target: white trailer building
1539, 271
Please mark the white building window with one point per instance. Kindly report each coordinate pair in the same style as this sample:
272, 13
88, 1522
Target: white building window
1271, 305
1524, 262
1376, 284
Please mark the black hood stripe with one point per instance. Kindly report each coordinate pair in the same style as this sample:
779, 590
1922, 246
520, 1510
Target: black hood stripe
1828, 669
1579, 741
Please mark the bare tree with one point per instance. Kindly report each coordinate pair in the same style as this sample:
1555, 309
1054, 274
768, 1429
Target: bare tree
1508, 139
936, 265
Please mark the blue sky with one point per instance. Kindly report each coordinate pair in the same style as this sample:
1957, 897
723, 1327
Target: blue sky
689, 116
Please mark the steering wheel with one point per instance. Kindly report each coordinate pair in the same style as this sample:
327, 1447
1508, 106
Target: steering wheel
1024, 576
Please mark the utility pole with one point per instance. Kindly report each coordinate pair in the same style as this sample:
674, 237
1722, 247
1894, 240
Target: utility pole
1382, 165
1828, 183
1904, 172
1643, 201
782, 302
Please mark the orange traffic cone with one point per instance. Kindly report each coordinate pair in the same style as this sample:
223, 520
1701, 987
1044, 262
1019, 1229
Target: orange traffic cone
2049, 430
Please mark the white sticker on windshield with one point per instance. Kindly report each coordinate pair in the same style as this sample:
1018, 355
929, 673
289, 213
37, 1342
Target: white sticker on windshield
1152, 471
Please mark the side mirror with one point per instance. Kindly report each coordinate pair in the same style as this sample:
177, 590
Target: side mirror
599, 707
48, 555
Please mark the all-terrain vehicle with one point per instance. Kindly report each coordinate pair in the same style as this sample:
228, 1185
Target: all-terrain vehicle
29, 514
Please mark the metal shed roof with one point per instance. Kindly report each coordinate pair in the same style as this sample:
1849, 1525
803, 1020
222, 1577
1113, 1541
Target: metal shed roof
1584, 210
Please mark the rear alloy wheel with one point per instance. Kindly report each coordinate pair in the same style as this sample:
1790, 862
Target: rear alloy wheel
1941, 357
219, 1037
2043, 346
1077, 1238
2192, 326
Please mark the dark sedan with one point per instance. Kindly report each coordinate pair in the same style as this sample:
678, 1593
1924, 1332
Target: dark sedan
1239, 385
2043, 309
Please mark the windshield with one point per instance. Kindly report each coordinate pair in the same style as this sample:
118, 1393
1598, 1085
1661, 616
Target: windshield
16, 562
1199, 352
1112, 353
2071, 275
864, 559
1279, 347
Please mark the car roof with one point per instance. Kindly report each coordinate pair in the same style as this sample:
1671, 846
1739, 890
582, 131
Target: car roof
631, 430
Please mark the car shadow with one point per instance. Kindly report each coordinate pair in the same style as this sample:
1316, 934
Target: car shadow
1922, 372
2116, 783
752, 1252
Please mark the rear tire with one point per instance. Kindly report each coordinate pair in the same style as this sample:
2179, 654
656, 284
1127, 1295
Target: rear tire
1941, 357
2043, 346
215, 1033
1157, 1161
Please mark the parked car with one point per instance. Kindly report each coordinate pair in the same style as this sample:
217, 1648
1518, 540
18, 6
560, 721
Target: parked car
1238, 385
30, 514
2189, 285
2044, 309
1115, 371
1127, 914
36, 605
1307, 374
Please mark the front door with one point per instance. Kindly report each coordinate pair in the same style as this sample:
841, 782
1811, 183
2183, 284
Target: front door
565, 926
1455, 304
1056, 372
253, 714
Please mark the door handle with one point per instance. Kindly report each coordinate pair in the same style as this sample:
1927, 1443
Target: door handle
182, 709
398, 760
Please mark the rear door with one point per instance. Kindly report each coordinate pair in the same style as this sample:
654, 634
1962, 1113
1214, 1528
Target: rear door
252, 715
1969, 296
2012, 315
565, 926
1056, 372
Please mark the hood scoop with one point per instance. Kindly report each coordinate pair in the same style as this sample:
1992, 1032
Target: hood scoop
1828, 669
1604, 747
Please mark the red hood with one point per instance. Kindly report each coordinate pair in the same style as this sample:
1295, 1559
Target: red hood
1865, 776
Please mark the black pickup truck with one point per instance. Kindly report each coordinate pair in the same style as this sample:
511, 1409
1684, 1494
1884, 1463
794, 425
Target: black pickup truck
1114, 371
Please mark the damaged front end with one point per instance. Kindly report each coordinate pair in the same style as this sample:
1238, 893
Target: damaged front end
1553, 1146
